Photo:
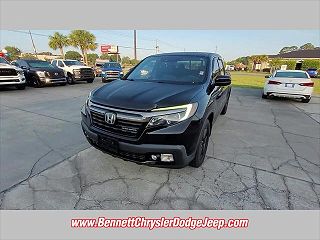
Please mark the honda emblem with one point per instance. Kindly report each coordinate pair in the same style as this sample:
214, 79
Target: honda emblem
110, 117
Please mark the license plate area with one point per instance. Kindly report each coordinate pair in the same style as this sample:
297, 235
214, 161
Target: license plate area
289, 85
109, 144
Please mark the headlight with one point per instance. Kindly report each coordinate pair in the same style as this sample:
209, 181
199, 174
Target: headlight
83, 109
41, 73
121, 73
103, 72
20, 72
172, 115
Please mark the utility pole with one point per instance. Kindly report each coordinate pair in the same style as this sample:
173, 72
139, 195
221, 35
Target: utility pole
135, 43
157, 47
34, 46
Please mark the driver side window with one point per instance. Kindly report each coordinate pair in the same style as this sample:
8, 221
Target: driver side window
60, 64
215, 68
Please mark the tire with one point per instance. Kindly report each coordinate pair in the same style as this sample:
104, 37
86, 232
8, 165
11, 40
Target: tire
306, 100
21, 87
225, 108
70, 79
202, 145
264, 96
90, 80
37, 83
63, 84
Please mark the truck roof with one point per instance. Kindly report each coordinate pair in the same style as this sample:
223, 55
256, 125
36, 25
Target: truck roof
202, 54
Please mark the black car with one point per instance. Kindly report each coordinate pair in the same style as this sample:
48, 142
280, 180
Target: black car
161, 112
39, 73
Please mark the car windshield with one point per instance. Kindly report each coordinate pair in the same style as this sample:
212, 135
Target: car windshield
111, 65
2, 60
73, 62
39, 64
183, 69
291, 74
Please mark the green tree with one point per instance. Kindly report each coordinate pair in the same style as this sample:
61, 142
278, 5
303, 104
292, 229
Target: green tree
288, 49
58, 41
73, 55
13, 52
310, 63
276, 63
307, 46
92, 57
125, 60
83, 40
104, 56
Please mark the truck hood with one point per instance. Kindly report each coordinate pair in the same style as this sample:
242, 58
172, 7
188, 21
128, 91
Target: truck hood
4, 65
143, 96
111, 69
78, 67
51, 70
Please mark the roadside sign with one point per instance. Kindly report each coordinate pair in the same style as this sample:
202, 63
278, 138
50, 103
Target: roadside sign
109, 49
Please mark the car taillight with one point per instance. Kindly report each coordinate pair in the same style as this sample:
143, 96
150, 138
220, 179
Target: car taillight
309, 84
274, 82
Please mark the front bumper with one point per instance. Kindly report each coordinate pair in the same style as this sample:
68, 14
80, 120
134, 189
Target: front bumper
12, 81
53, 80
140, 153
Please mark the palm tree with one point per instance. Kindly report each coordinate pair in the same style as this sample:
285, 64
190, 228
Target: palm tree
58, 41
83, 40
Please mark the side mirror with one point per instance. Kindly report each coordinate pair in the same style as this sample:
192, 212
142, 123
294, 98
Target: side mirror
24, 67
223, 80
267, 76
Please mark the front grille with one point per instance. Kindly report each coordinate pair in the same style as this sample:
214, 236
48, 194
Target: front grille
54, 75
121, 127
112, 74
133, 156
8, 72
9, 80
84, 72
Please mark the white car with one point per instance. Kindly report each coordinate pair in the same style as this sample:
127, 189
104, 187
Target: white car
290, 84
11, 75
74, 70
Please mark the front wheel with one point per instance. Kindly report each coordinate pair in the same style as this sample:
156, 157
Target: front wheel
264, 96
70, 79
90, 80
306, 100
21, 87
202, 146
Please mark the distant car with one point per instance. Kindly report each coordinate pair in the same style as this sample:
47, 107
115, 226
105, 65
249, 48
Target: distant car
111, 71
74, 70
98, 65
11, 75
313, 72
289, 83
39, 73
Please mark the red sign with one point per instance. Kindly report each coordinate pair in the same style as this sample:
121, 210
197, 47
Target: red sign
1, 54
109, 49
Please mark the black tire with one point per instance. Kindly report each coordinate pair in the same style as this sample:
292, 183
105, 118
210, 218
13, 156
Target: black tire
202, 145
306, 100
37, 83
70, 79
225, 108
264, 96
21, 87
90, 80
63, 84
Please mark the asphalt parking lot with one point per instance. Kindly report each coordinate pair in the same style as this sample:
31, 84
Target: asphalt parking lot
263, 154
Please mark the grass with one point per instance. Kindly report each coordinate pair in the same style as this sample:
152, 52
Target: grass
256, 80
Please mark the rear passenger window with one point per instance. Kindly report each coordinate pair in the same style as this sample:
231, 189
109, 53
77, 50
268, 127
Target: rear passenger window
54, 62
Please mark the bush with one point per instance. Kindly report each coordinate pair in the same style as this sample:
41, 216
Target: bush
310, 63
266, 70
291, 64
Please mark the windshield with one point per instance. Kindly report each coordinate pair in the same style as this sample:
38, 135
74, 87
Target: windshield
291, 74
39, 64
171, 69
75, 62
111, 65
2, 60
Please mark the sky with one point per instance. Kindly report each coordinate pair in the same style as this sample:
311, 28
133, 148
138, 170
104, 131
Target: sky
230, 44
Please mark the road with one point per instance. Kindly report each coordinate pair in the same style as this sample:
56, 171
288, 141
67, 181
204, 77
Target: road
263, 154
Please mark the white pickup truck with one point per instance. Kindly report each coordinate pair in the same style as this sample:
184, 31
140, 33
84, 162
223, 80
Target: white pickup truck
11, 75
75, 70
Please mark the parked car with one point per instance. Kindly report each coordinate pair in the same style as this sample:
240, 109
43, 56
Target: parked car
111, 71
290, 84
11, 75
39, 73
98, 65
161, 112
313, 72
75, 70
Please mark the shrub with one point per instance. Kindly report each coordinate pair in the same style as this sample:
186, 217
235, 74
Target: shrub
310, 63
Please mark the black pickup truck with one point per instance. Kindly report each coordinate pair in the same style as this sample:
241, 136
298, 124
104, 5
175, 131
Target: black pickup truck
161, 112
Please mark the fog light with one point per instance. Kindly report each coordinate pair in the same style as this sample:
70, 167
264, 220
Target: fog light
47, 80
166, 157
154, 157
